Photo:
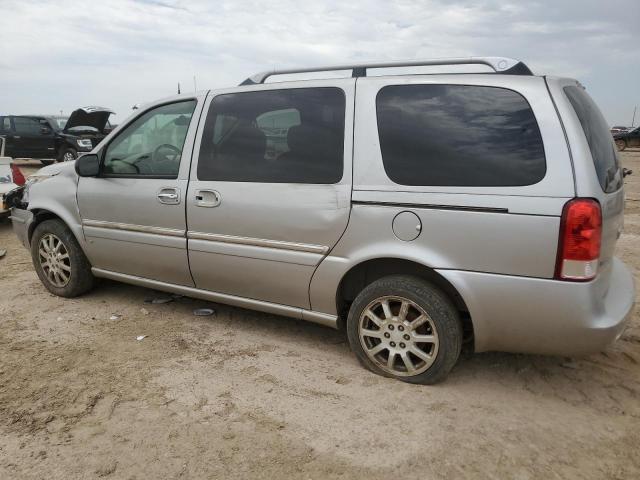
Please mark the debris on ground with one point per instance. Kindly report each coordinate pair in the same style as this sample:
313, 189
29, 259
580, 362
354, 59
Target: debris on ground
570, 364
2, 253
144, 311
203, 312
159, 300
115, 317
141, 337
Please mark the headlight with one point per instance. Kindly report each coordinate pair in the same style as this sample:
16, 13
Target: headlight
32, 180
84, 142
37, 178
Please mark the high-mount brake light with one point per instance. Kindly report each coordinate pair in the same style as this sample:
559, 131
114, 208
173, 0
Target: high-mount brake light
580, 239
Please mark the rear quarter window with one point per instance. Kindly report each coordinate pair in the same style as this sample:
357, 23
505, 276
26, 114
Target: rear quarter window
458, 135
598, 137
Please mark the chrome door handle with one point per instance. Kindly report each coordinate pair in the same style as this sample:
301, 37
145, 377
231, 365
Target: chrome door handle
207, 198
169, 196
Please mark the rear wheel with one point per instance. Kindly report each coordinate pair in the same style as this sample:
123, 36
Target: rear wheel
67, 154
621, 144
59, 261
405, 328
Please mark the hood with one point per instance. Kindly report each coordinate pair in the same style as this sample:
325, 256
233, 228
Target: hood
94, 117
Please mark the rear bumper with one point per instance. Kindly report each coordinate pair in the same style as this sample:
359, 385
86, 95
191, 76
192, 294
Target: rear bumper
21, 221
533, 315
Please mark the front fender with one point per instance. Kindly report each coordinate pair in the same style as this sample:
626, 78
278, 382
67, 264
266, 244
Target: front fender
57, 195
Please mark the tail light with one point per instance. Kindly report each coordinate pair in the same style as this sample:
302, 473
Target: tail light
16, 174
580, 237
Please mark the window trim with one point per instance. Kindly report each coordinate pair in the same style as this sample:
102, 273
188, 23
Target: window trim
103, 150
205, 115
544, 153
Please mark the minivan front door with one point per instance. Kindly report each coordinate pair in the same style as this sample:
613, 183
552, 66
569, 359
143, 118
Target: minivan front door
270, 189
133, 213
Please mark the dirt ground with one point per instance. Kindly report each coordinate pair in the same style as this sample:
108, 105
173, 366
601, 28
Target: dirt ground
248, 395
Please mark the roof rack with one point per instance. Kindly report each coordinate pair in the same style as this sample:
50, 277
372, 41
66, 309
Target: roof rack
502, 65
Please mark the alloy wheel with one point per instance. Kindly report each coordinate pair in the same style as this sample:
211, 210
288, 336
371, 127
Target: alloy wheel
54, 260
398, 336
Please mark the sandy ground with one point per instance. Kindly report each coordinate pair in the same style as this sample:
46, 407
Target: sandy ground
248, 395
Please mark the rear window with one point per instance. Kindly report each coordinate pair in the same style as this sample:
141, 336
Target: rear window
459, 135
598, 137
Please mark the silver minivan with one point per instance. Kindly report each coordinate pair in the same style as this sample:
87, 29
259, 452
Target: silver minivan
419, 212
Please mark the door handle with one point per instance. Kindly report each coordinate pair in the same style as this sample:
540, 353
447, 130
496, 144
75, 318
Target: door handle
207, 198
169, 196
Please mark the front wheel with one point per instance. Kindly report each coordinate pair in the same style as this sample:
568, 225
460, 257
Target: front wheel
67, 154
404, 327
621, 144
59, 261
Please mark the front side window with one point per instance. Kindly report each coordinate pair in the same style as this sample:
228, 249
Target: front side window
26, 126
459, 135
152, 144
275, 136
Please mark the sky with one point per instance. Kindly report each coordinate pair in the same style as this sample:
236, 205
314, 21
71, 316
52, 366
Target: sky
59, 55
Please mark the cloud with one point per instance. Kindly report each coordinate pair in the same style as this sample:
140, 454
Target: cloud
59, 55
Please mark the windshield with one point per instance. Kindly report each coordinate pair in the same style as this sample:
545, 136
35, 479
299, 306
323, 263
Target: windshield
58, 123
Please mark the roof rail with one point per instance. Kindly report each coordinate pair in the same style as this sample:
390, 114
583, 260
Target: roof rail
503, 65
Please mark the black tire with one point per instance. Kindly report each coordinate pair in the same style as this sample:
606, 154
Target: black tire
46, 162
621, 145
80, 280
66, 153
443, 318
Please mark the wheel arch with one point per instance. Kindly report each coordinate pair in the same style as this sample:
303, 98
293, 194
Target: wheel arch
368, 271
42, 214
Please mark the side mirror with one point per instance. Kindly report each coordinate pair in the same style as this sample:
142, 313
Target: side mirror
45, 131
88, 165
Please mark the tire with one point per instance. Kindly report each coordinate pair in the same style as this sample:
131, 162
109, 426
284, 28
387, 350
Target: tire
67, 154
429, 316
76, 269
621, 144
46, 162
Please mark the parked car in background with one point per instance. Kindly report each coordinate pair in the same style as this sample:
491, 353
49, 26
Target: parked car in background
619, 129
627, 139
10, 178
356, 203
52, 138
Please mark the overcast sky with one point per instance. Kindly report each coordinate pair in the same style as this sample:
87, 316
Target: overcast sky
58, 55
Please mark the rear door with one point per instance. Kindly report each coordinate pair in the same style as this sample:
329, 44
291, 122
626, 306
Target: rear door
270, 188
133, 214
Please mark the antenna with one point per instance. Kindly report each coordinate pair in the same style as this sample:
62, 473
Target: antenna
195, 85
633, 120
178, 88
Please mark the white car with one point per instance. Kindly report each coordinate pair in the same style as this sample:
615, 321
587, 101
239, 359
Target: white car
10, 178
